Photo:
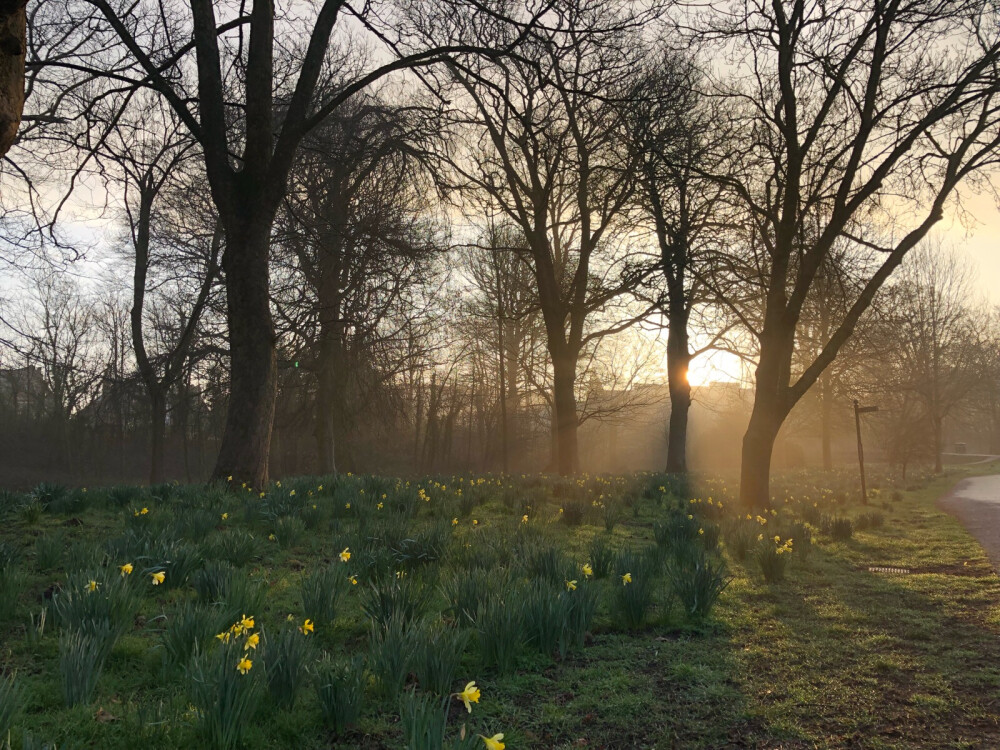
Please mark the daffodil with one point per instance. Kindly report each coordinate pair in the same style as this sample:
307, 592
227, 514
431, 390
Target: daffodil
292, 493
469, 695
126, 569
224, 636
454, 522
225, 516
158, 577
252, 641
475, 522
701, 531
353, 579
524, 518
144, 511
306, 627
379, 506
229, 478
345, 555
626, 579
494, 742
92, 586
247, 623
347, 506
571, 585
587, 570
244, 665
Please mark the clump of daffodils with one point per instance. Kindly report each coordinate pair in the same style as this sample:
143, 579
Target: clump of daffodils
242, 629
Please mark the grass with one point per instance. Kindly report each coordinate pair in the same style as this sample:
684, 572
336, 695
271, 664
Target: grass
832, 656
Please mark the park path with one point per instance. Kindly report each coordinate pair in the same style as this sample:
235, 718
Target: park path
975, 501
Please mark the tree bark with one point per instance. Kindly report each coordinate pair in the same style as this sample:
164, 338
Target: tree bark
678, 362
246, 439
566, 421
770, 407
12, 49
758, 448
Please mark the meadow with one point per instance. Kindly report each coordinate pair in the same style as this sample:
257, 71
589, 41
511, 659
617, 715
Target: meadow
488, 611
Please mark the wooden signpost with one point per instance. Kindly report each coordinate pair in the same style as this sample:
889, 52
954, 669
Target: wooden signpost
858, 411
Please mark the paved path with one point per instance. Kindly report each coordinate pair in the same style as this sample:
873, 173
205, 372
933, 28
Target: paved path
976, 503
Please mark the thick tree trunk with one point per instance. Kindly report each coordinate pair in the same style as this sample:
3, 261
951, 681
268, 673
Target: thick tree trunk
12, 49
758, 447
567, 459
770, 407
158, 433
246, 439
678, 362
324, 430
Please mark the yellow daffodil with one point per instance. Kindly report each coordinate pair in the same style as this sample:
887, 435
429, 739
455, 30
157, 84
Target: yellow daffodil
144, 511
225, 516
380, 506
626, 579
454, 522
524, 518
320, 488
244, 665
400, 574
493, 743
347, 506
469, 695
92, 586
158, 578
126, 569
246, 623
353, 579
224, 636
587, 570
271, 537
307, 627
345, 555
701, 531
571, 585
252, 641
229, 478
475, 522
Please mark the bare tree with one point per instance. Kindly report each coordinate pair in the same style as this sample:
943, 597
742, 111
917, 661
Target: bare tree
681, 139
244, 85
358, 226
543, 141
857, 123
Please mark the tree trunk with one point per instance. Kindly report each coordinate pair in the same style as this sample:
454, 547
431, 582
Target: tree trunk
758, 447
12, 49
158, 432
938, 445
567, 459
769, 411
246, 438
678, 362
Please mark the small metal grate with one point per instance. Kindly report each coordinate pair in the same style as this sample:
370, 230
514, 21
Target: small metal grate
893, 571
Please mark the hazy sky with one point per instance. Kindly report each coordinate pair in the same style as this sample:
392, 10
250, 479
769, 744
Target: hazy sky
979, 241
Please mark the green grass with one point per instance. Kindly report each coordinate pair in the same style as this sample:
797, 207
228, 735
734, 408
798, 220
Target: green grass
833, 656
